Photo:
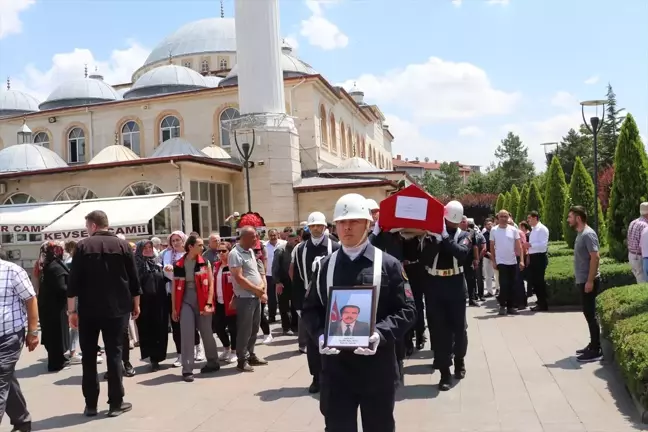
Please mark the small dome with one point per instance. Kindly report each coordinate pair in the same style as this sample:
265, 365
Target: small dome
290, 65
211, 35
216, 152
121, 92
176, 147
166, 79
286, 47
358, 164
29, 157
212, 81
113, 153
84, 91
14, 102
356, 94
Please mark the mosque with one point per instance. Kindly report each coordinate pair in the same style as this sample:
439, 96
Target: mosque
172, 148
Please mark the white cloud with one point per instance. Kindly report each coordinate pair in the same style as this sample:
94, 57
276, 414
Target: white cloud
437, 90
10, 10
65, 66
457, 3
471, 131
498, 2
564, 100
321, 32
592, 80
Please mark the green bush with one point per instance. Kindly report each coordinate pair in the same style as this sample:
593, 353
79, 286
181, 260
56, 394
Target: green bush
514, 203
620, 303
499, 204
629, 187
534, 200
522, 206
554, 200
632, 358
507, 201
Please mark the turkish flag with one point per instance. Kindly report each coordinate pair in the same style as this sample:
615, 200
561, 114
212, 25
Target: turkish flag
412, 208
335, 312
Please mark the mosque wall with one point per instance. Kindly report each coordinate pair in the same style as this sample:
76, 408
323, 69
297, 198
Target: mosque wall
201, 63
324, 201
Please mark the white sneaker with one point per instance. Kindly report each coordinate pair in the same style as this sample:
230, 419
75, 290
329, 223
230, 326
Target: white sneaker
232, 357
199, 353
267, 340
178, 361
225, 355
75, 359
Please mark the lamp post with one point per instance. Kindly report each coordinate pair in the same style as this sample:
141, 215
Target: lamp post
245, 150
547, 152
594, 127
24, 134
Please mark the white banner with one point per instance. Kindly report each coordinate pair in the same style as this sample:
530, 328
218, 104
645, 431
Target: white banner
127, 231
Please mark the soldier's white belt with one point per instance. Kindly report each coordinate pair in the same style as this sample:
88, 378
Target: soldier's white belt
444, 272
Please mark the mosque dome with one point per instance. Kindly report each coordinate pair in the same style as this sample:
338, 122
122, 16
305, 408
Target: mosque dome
216, 152
84, 91
14, 102
211, 35
176, 147
113, 153
356, 94
357, 164
166, 79
29, 157
212, 81
290, 65
121, 92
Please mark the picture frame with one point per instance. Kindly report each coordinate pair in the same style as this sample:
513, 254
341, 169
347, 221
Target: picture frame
350, 317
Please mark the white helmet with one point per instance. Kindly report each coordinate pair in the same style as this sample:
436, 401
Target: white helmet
316, 218
372, 204
351, 206
453, 212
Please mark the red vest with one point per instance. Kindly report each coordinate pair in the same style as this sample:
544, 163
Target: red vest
201, 276
228, 288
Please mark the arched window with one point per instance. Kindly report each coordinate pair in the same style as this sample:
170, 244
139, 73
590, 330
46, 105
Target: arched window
75, 193
363, 151
223, 64
161, 222
204, 66
187, 64
42, 139
350, 148
130, 134
323, 128
169, 128
369, 154
343, 140
333, 134
10, 237
227, 114
76, 144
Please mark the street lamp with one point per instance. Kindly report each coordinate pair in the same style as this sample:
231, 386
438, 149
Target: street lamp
245, 150
24, 134
594, 127
548, 153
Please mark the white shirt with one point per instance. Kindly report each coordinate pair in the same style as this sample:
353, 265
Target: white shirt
643, 243
346, 326
219, 286
15, 289
169, 256
504, 239
270, 250
539, 239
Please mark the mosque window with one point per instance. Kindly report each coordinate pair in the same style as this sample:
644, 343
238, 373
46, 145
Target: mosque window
343, 140
169, 128
75, 193
130, 134
211, 204
42, 139
227, 114
204, 66
323, 128
350, 143
76, 144
9, 238
223, 64
333, 135
161, 222
187, 64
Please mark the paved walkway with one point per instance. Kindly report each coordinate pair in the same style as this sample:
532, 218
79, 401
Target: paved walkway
522, 377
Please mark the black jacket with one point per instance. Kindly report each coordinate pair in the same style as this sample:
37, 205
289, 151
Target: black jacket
312, 252
103, 276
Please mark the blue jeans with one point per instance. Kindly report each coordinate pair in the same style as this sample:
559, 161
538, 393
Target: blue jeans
645, 268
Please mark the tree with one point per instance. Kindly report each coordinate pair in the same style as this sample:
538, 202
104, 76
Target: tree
452, 180
605, 179
629, 188
554, 200
574, 145
507, 201
524, 197
515, 202
499, 204
581, 192
432, 184
609, 135
514, 161
534, 201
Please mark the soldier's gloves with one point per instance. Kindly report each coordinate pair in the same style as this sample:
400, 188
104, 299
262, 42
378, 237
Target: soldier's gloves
373, 343
326, 350
445, 234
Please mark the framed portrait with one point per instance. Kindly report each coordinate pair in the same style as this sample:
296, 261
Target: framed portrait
351, 317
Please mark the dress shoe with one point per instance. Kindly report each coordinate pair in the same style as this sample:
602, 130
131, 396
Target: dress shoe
314, 387
446, 380
116, 411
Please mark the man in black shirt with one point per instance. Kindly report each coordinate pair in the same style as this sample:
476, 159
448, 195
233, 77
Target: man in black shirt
104, 279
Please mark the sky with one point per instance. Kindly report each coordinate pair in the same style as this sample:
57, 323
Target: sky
452, 77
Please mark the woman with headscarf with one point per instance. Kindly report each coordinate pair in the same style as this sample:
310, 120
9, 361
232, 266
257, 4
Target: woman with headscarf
52, 302
168, 258
152, 324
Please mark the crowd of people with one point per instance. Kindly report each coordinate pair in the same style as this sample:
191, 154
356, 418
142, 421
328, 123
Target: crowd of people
233, 288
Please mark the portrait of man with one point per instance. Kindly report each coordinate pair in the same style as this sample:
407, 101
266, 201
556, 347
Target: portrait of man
349, 324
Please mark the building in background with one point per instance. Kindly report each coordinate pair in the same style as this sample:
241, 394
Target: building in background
418, 168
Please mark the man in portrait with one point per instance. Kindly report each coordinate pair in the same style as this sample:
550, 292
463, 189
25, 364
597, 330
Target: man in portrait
349, 325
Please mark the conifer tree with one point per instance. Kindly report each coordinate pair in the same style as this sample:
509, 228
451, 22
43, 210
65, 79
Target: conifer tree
554, 200
499, 204
629, 187
524, 197
507, 201
515, 203
534, 201
581, 192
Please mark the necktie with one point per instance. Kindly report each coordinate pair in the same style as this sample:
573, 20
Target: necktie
347, 332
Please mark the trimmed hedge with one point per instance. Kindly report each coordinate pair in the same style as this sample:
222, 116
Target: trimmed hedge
620, 303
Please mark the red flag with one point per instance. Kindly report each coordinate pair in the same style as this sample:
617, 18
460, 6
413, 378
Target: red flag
335, 313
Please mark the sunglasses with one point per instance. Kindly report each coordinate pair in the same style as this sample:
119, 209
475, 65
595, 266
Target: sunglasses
222, 251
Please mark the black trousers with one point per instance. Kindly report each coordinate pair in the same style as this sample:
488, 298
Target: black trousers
125, 346
417, 283
175, 330
289, 317
471, 281
537, 267
507, 280
447, 319
521, 299
480, 279
314, 358
112, 331
224, 326
272, 299
589, 310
